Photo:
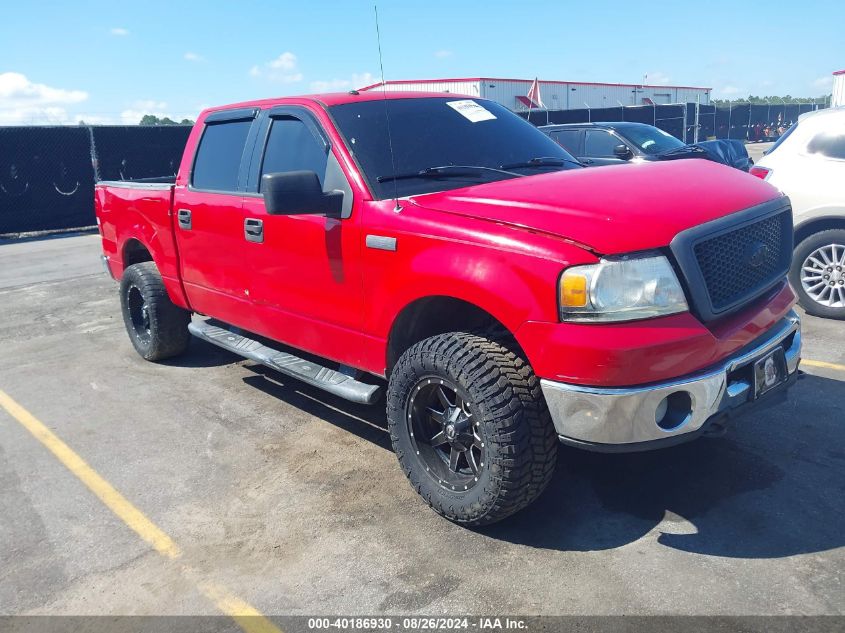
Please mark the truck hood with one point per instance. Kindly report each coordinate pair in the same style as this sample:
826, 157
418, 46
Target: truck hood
611, 210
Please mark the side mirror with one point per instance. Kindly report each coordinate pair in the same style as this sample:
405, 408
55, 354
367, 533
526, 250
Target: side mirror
298, 193
622, 152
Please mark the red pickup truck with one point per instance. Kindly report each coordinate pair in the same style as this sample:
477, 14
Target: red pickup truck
442, 250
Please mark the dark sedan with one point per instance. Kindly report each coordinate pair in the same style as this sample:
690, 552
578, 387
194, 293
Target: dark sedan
614, 143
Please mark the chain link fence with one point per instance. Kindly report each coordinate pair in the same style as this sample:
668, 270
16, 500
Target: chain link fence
47, 174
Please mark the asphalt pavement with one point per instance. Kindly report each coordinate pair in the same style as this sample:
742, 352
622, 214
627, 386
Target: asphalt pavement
293, 503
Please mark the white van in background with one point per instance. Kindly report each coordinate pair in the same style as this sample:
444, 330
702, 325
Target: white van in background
808, 164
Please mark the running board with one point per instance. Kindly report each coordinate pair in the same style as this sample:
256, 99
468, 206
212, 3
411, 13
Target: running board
316, 375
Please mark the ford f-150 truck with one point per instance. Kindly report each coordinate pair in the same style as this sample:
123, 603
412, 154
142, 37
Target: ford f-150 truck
442, 252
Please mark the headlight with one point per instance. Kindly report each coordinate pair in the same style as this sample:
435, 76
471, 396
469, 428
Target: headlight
621, 289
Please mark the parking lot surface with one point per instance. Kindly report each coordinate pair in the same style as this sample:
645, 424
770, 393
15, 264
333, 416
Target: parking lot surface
293, 500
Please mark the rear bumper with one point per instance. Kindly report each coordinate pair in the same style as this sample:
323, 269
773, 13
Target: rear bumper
625, 419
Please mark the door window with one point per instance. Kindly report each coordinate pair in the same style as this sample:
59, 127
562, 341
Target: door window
600, 143
292, 146
568, 139
219, 155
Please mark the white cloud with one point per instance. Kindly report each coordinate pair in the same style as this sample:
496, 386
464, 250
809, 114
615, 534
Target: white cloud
285, 61
282, 69
119, 31
657, 78
442, 54
358, 80
25, 102
193, 57
823, 83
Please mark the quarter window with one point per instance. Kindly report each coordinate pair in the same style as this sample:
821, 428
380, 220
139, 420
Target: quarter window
600, 143
292, 146
219, 156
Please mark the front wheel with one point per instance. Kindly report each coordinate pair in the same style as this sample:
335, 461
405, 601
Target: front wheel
470, 427
818, 273
156, 326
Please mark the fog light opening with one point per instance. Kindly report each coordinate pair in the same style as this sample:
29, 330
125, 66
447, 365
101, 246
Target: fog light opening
673, 411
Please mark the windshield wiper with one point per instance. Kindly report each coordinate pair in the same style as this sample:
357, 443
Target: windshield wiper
543, 161
684, 149
447, 171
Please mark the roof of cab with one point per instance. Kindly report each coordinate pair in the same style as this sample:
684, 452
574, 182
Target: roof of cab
337, 98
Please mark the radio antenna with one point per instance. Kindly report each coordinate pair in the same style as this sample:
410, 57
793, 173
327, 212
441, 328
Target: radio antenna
396, 207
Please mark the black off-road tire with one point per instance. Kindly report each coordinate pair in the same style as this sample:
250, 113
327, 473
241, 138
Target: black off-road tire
802, 251
505, 396
157, 328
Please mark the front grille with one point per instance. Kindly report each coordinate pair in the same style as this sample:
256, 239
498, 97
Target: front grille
731, 261
740, 262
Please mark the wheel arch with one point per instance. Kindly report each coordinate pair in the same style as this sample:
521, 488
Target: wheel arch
134, 251
437, 314
830, 220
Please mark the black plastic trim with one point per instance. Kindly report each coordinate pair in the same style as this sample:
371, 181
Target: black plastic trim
227, 116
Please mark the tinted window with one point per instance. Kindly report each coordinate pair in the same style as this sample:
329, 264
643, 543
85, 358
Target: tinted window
292, 146
429, 132
599, 143
828, 144
649, 139
219, 156
567, 138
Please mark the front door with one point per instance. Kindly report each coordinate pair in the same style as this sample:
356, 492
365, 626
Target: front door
306, 287
598, 148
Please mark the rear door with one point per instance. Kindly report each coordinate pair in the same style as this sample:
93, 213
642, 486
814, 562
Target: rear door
569, 139
306, 286
209, 217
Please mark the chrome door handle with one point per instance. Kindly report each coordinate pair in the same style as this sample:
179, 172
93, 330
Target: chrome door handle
254, 230
184, 217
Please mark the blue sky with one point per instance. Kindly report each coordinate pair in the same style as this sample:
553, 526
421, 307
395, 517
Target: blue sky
110, 62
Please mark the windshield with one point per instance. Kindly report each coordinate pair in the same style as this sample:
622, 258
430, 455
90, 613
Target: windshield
431, 134
649, 139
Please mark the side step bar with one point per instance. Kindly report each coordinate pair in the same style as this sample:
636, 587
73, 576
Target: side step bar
316, 375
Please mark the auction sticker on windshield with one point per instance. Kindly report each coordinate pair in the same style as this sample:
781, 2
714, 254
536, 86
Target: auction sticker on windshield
471, 110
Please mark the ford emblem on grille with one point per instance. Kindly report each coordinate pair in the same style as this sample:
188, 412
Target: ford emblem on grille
755, 254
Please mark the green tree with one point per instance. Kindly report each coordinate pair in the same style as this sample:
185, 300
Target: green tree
773, 100
151, 119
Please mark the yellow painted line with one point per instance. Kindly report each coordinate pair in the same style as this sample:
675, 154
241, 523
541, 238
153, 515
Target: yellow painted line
247, 616
821, 363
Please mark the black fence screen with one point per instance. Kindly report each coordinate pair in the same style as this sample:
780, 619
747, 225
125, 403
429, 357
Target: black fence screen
743, 121
47, 174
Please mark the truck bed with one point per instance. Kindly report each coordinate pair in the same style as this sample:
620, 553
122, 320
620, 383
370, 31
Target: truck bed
134, 215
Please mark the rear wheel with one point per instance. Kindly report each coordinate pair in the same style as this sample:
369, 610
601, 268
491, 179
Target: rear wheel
818, 273
470, 427
157, 328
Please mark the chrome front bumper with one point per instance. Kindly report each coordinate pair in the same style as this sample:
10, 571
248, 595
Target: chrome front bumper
626, 418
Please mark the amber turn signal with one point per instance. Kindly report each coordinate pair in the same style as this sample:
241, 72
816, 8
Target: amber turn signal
573, 291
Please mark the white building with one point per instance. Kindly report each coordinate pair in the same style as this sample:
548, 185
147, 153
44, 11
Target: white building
838, 98
556, 95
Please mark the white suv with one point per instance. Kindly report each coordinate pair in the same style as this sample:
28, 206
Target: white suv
808, 164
